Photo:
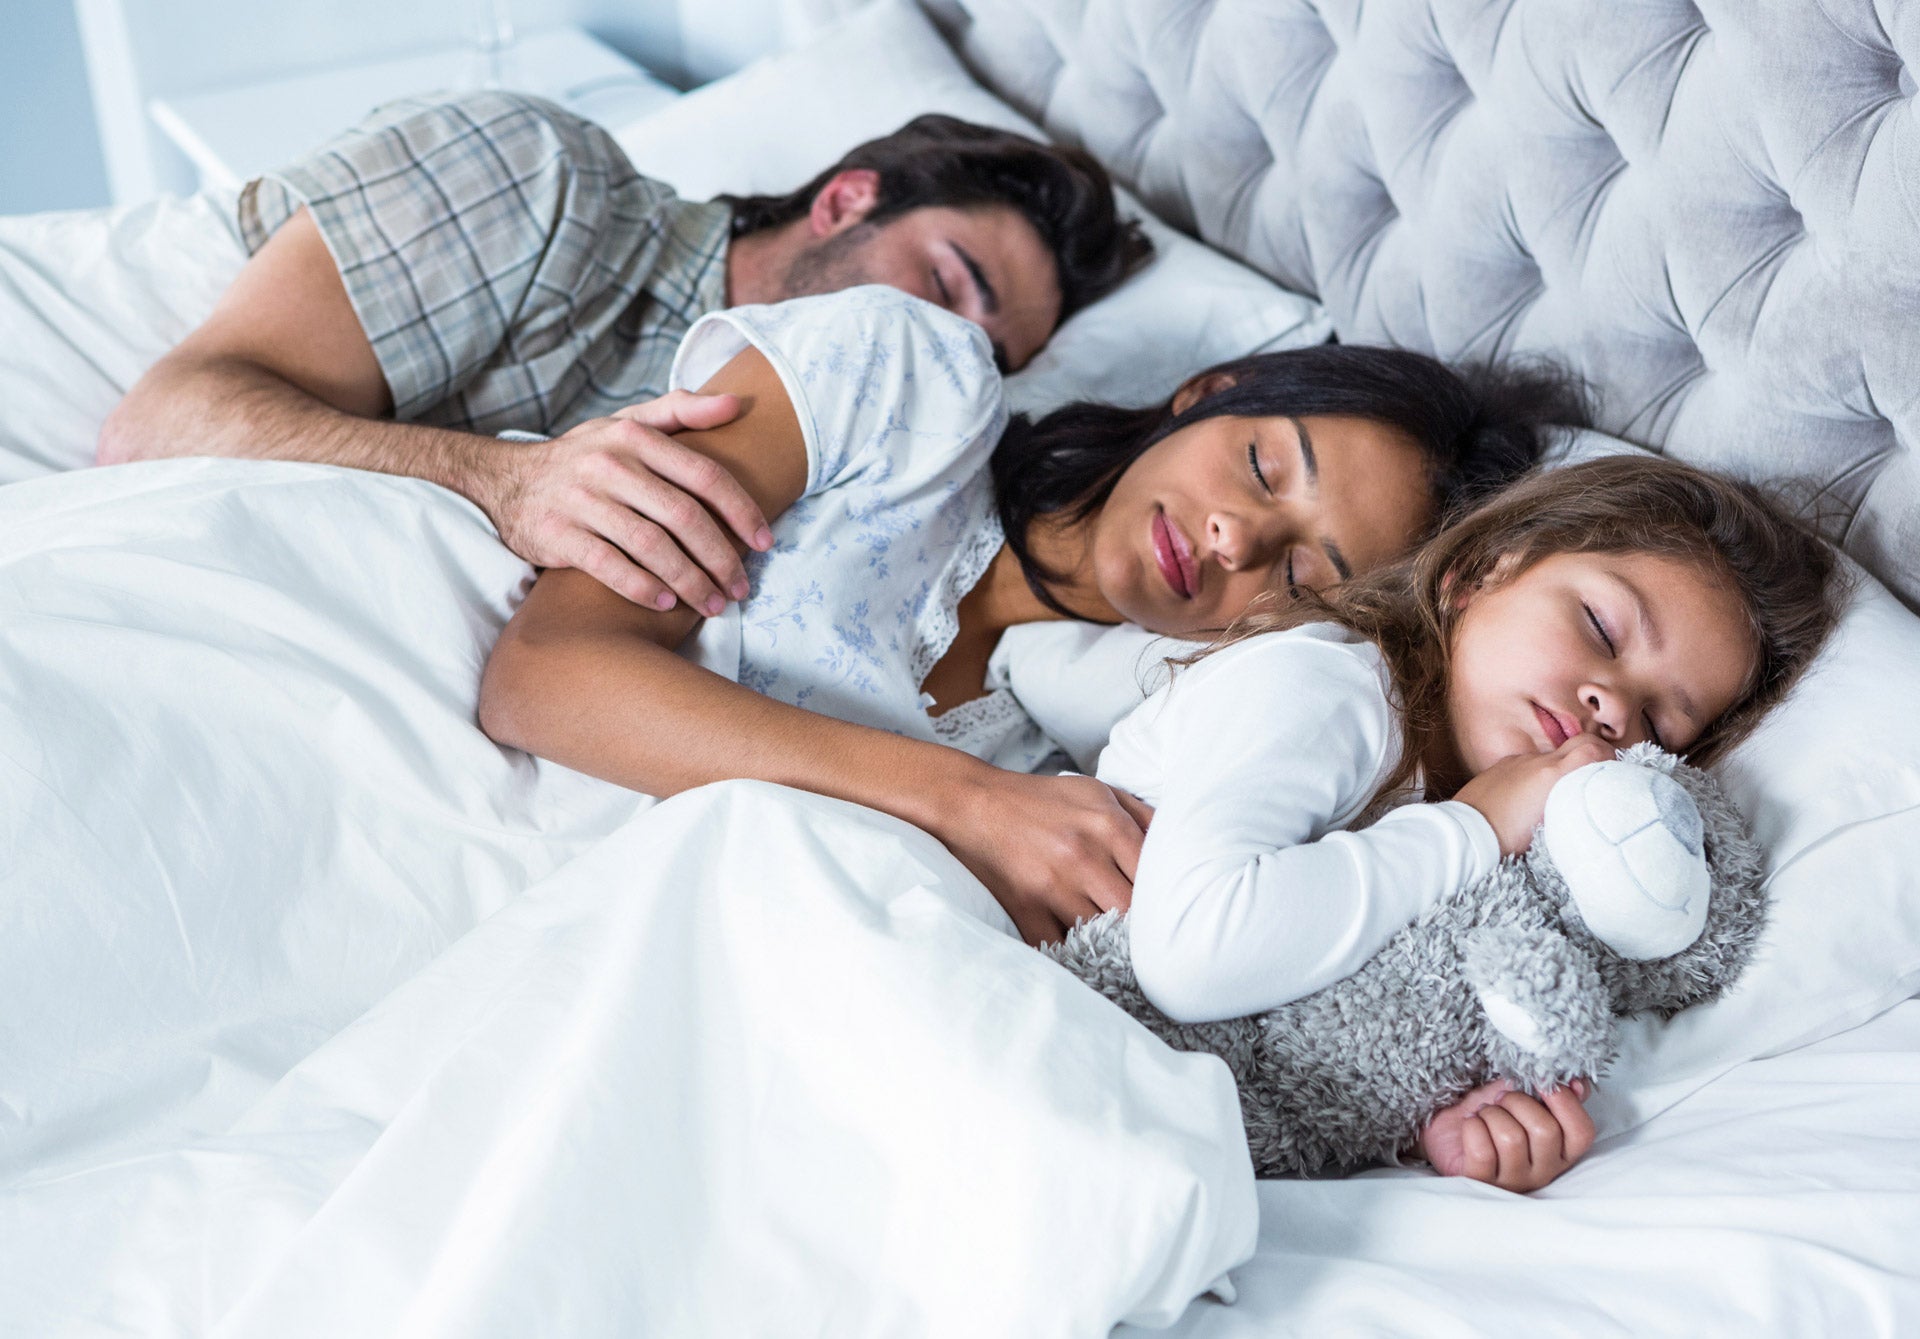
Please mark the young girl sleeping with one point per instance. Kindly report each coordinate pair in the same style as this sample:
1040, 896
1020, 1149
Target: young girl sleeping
1580, 611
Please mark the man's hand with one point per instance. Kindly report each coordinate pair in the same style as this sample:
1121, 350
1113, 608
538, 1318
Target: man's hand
622, 501
1052, 850
1501, 1136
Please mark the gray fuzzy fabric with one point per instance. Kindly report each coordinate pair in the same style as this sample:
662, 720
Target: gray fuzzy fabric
1347, 1076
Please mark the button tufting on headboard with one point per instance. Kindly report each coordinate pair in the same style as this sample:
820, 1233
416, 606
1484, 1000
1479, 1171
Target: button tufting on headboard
1712, 211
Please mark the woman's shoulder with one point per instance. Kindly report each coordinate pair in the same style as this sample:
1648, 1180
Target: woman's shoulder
847, 335
876, 376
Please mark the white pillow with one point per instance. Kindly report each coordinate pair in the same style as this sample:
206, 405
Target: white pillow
1831, 785
88, 300
774, 125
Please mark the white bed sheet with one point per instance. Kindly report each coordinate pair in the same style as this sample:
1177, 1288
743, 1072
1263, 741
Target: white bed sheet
1781, 1199
761, 1063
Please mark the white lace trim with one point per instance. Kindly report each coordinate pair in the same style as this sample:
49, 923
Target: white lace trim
939, 618
980, 716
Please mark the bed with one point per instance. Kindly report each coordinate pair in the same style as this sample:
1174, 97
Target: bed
332, 1018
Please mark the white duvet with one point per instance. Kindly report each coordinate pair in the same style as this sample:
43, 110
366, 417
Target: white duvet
316, 1030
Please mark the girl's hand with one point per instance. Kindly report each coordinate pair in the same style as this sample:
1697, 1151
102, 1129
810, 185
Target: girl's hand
1051, 849
1512, 794
1501, 1136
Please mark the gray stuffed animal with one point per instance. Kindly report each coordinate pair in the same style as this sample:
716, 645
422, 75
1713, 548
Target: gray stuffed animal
1641, 891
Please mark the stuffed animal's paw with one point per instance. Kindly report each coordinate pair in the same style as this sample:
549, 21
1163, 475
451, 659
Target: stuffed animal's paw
1547, 1010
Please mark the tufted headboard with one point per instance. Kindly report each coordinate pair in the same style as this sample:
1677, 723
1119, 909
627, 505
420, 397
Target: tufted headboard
1712, 212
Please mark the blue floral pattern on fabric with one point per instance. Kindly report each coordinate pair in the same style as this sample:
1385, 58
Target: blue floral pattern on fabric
858, 597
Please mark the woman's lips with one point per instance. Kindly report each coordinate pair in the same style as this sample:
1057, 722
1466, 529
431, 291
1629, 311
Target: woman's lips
1556, 730
1174, 556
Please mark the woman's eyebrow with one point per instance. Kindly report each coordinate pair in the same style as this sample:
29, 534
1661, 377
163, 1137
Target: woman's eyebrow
1310, 463
1308, 460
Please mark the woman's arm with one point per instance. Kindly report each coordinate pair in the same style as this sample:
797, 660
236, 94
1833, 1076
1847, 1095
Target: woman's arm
592, 681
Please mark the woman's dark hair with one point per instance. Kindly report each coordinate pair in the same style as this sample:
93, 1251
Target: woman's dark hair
940, 160
1478, 426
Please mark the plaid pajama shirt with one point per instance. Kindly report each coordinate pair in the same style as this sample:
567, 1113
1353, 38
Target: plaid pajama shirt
508, 265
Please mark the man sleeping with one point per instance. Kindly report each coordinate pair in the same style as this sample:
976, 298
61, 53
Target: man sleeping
452, 269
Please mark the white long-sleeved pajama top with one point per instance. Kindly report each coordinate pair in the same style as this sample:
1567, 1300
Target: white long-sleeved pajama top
1251, 889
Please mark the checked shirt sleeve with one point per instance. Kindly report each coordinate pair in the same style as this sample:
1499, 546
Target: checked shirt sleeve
509, 266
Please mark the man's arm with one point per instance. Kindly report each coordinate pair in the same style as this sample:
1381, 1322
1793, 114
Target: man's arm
282, 370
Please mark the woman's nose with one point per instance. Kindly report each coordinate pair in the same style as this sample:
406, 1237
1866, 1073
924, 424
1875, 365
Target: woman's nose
1230, 539
1239, 543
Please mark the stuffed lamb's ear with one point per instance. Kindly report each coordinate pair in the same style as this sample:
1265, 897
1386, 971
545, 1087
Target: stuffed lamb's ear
1627, 839
1550, 1017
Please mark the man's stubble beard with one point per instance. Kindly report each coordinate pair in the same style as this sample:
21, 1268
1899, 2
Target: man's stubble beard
837, 262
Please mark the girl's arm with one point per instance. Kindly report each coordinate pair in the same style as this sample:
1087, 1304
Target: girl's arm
592, 681
1248, 896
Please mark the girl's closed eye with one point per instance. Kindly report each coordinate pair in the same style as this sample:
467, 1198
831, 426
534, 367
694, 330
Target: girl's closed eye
1601, 629
1606, 639
1260, 476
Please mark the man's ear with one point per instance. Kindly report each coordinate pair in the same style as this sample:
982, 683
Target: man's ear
844, 202
1196, 389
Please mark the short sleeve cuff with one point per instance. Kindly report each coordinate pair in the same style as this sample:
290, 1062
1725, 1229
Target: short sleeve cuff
469, 232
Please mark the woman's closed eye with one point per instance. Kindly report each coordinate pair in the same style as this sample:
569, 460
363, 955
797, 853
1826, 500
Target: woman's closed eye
1259, 475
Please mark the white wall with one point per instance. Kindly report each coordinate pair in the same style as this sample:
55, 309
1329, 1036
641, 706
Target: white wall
49, 153
69, 65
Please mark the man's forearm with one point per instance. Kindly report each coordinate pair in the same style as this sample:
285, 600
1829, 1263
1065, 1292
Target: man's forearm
230, 407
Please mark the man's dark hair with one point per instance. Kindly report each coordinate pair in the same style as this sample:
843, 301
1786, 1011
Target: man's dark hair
940, 160
1479, 426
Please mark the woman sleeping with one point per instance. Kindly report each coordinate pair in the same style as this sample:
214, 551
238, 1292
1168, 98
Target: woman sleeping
912, 533
915, 526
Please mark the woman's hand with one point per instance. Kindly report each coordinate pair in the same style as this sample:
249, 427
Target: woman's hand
1512, 794
1051, 849
1499, 1135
